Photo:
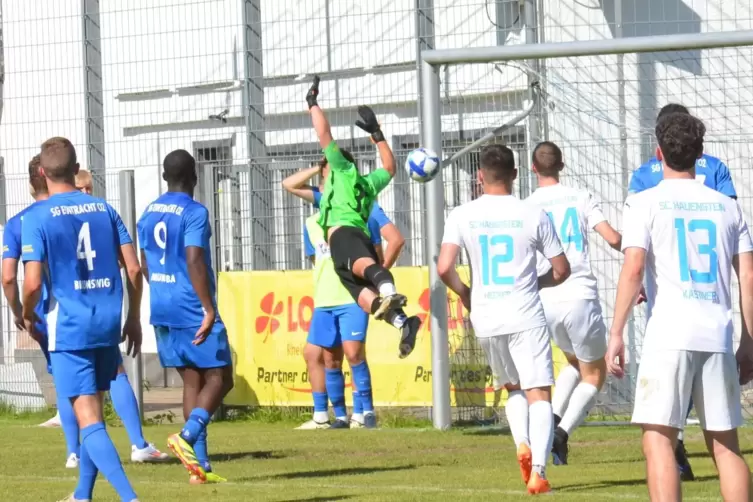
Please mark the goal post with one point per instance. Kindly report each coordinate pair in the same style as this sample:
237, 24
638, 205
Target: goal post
431, 128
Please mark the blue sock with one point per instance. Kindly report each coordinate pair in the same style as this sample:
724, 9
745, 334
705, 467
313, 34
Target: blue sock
335, 382
197, 422
357, 404
87, 475
70, 426
320, 401
202, 452
127, 408
104, 456
362, 381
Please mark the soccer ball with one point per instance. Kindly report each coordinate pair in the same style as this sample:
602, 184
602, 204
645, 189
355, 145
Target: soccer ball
422, 165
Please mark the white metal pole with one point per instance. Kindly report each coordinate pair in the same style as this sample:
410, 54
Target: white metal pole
434, 195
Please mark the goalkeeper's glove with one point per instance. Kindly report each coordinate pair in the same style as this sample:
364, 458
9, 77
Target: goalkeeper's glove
313, 93
369, 123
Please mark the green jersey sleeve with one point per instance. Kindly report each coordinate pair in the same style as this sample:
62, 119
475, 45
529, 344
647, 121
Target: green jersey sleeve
378, 179
335, 158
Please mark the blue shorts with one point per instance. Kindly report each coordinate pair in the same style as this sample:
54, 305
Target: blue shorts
331, 326
176, 350
85, 372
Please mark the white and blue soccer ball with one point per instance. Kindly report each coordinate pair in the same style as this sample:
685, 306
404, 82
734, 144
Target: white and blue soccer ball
422, 165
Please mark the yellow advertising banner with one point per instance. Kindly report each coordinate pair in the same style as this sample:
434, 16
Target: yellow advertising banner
267, 314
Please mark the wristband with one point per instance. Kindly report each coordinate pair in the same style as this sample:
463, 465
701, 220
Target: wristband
377, 136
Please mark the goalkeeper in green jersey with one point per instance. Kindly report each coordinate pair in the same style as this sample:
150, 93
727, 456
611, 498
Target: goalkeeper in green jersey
346, 204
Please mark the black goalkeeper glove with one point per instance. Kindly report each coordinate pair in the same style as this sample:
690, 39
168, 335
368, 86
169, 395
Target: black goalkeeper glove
369, 123
313, 93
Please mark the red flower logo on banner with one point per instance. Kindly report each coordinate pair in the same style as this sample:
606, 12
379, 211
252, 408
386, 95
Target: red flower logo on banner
424, 303
268, 323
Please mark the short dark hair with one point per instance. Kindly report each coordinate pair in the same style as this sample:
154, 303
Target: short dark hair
58, 159
179, 166
547, 157
36, 180
672, 108
346, 153
497, 162
680, 138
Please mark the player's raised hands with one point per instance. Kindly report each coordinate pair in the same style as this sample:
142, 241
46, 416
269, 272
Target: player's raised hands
369, 123
615, 357
313, 93
206, 327
132, 334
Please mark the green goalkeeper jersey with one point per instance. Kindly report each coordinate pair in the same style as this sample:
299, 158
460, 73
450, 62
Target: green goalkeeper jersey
348, 196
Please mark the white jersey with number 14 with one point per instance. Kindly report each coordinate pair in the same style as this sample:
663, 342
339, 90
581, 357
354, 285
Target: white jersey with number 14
501, 235
574, 212
691, 234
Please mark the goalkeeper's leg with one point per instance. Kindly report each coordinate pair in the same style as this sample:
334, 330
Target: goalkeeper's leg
354, 255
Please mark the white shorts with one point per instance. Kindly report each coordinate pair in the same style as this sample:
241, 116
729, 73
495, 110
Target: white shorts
668, 379
578, 328
523, 358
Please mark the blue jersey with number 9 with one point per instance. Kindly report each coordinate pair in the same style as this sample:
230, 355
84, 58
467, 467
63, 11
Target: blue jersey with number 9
78, 238
691, 234
169, 225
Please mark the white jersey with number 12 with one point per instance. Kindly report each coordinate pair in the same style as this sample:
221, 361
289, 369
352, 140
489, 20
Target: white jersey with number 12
501, 235
691, 234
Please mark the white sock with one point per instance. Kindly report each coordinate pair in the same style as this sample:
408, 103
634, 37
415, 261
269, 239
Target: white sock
564, 386
321, 416
342, 419
541, 431
387, 289
681, 435
516, 411
399, 321
358, 417
581, 401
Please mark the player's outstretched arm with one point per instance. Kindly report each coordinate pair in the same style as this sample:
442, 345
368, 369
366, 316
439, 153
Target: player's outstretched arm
369, 123
318, 118
297, 183
448, 255
610, 235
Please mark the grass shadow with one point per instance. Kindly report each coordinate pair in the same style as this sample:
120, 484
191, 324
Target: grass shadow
320, 499
615, 483
325, 473
244, 455
487, 431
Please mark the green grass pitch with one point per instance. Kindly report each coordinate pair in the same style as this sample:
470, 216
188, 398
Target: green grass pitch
272, 462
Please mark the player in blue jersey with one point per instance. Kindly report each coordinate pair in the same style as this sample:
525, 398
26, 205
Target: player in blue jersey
74, 242
713, 173
325, 350
121, 393
710, 170
176, 259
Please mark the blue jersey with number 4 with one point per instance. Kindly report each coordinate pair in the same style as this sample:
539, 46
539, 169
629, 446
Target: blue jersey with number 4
709, 170
169, 225
78, 238
691, 235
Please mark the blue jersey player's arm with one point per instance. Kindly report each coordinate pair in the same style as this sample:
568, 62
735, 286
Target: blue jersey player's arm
636, 184
723, 180
142, 238
390, 233
298, 184
134, 286
11, 255
34, 254
196, 233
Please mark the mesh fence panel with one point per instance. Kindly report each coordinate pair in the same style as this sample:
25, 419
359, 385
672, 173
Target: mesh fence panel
132, 80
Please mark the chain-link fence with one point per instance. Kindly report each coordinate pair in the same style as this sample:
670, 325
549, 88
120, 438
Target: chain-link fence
132, 80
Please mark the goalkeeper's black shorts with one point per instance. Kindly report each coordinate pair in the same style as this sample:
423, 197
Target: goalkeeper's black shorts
346, 246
